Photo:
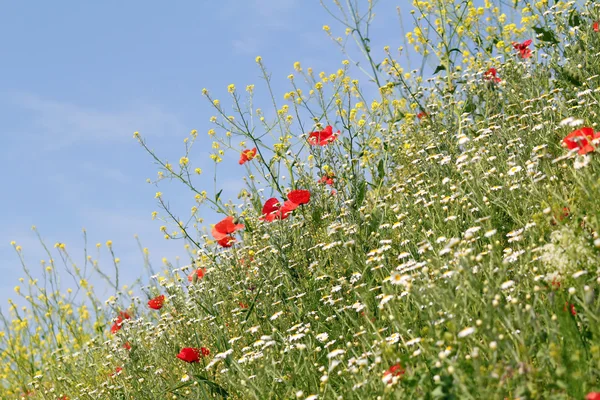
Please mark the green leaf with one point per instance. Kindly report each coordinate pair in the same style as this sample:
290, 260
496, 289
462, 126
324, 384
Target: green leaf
398, 116
572, 79
218, 196
574, 18
439, 68
362, 191
381, 169
438, 393
545, 35
469, 107
214, 387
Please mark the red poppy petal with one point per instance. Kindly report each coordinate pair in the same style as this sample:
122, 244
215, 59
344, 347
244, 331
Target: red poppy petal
189, 354
299, 196
227, 241
226, 225
270, 206
218, 235
287, 208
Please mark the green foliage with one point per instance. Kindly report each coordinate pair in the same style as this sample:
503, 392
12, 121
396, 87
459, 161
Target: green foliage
446, 255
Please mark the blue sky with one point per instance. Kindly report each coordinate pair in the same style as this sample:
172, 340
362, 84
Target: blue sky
81, 77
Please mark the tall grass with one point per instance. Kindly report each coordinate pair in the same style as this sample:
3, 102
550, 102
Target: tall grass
449, 248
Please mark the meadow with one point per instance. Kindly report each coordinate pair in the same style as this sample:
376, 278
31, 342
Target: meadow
420, 234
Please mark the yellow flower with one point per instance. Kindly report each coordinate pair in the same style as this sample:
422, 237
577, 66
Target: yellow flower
156, 196
297, 66
326, 28
231, 88
183, 161
258, 59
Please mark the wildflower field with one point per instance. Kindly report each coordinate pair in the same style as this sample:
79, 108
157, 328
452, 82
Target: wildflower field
420, 234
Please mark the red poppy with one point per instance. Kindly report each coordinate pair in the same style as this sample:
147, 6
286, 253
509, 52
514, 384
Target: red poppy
565, 213
272, 210
327, 179
394, 370
246, 262
299, 196
189, 354
64, 398
225, 228
596, 26
593, 396
580, 139
491, 75
287, 208
198, 274
523, 48
157, 302
322, 138
116, 326
243, 305
117, 371
123, 315
192, 354
226, 241
421, 115
247, 155
127, 346
571, 308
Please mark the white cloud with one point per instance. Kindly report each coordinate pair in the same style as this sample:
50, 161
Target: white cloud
57, 124
261, 18
246, 45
